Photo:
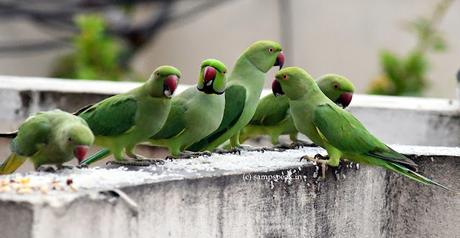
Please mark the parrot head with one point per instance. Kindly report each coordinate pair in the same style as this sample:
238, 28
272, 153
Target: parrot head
337, 88
163, 81
212, 78
293, 82
78, 139
265, 54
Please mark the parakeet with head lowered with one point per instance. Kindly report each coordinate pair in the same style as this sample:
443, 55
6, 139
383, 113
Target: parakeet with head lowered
48, 138
272, 115
335, 129
245, 84
122, 121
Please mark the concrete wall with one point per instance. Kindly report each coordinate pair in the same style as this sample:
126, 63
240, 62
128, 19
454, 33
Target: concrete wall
321, 36
227, 196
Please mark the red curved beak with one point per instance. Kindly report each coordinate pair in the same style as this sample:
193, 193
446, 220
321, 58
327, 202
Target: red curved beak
276, 88
170, 85
80, 152
345, 99
280, 60
209, 74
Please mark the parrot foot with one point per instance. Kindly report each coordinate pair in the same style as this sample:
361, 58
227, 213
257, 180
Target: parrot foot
337, 171
48, 169
243, 148
136, 162
282, 146
59, 167
82, 166
318, 159
139, 160
191, 154
235, 150
170, 158
275, 149
300, 144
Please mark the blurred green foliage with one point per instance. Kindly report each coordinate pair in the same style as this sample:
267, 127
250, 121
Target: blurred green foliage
407, 74
95, 55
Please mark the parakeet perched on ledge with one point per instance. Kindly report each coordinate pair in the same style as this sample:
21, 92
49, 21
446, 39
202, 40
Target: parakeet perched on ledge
245, 84
194, 114
48, 138
337, 130
272, 115
122, 121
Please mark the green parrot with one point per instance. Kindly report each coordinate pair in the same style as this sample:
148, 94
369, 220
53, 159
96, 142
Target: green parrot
52, 137
122, 121
272, 115
245, 84
194, 114
337, 130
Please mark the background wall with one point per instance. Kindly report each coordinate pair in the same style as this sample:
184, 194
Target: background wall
321, 36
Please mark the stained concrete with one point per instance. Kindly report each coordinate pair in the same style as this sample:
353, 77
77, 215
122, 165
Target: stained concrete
200, 198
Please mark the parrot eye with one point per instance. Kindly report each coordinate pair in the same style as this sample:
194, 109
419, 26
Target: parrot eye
224, 72
336, 86
158, 73
69, 139
285, 77
270, 50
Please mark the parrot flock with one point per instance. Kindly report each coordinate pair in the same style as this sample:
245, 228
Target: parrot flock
222, 109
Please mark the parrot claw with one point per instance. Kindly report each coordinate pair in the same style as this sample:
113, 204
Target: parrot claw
337, 171
170, 158
48, 169
191, 154
318, 159
136, 162
276, 149
282, 146
299, 144
306, 157
59, 167
82, 166
235, 150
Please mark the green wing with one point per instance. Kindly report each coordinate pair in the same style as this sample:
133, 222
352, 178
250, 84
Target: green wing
112, 116
175, 123
235, 100
31, 136
270, 111
345, 132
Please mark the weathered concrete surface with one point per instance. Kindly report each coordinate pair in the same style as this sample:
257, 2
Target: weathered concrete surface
227, 196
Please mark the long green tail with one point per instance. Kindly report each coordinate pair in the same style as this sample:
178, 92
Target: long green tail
96, 157
12, 163
413, 175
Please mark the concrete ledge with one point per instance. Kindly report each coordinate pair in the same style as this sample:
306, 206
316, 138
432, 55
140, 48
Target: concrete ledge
268, 194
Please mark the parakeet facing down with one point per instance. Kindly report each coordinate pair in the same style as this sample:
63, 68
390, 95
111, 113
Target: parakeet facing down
122, 121
48, 138
245, 84
196, 112
335, 129
272, 115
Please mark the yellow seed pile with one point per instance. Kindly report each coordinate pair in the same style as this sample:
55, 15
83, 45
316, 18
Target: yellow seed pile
23, 185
